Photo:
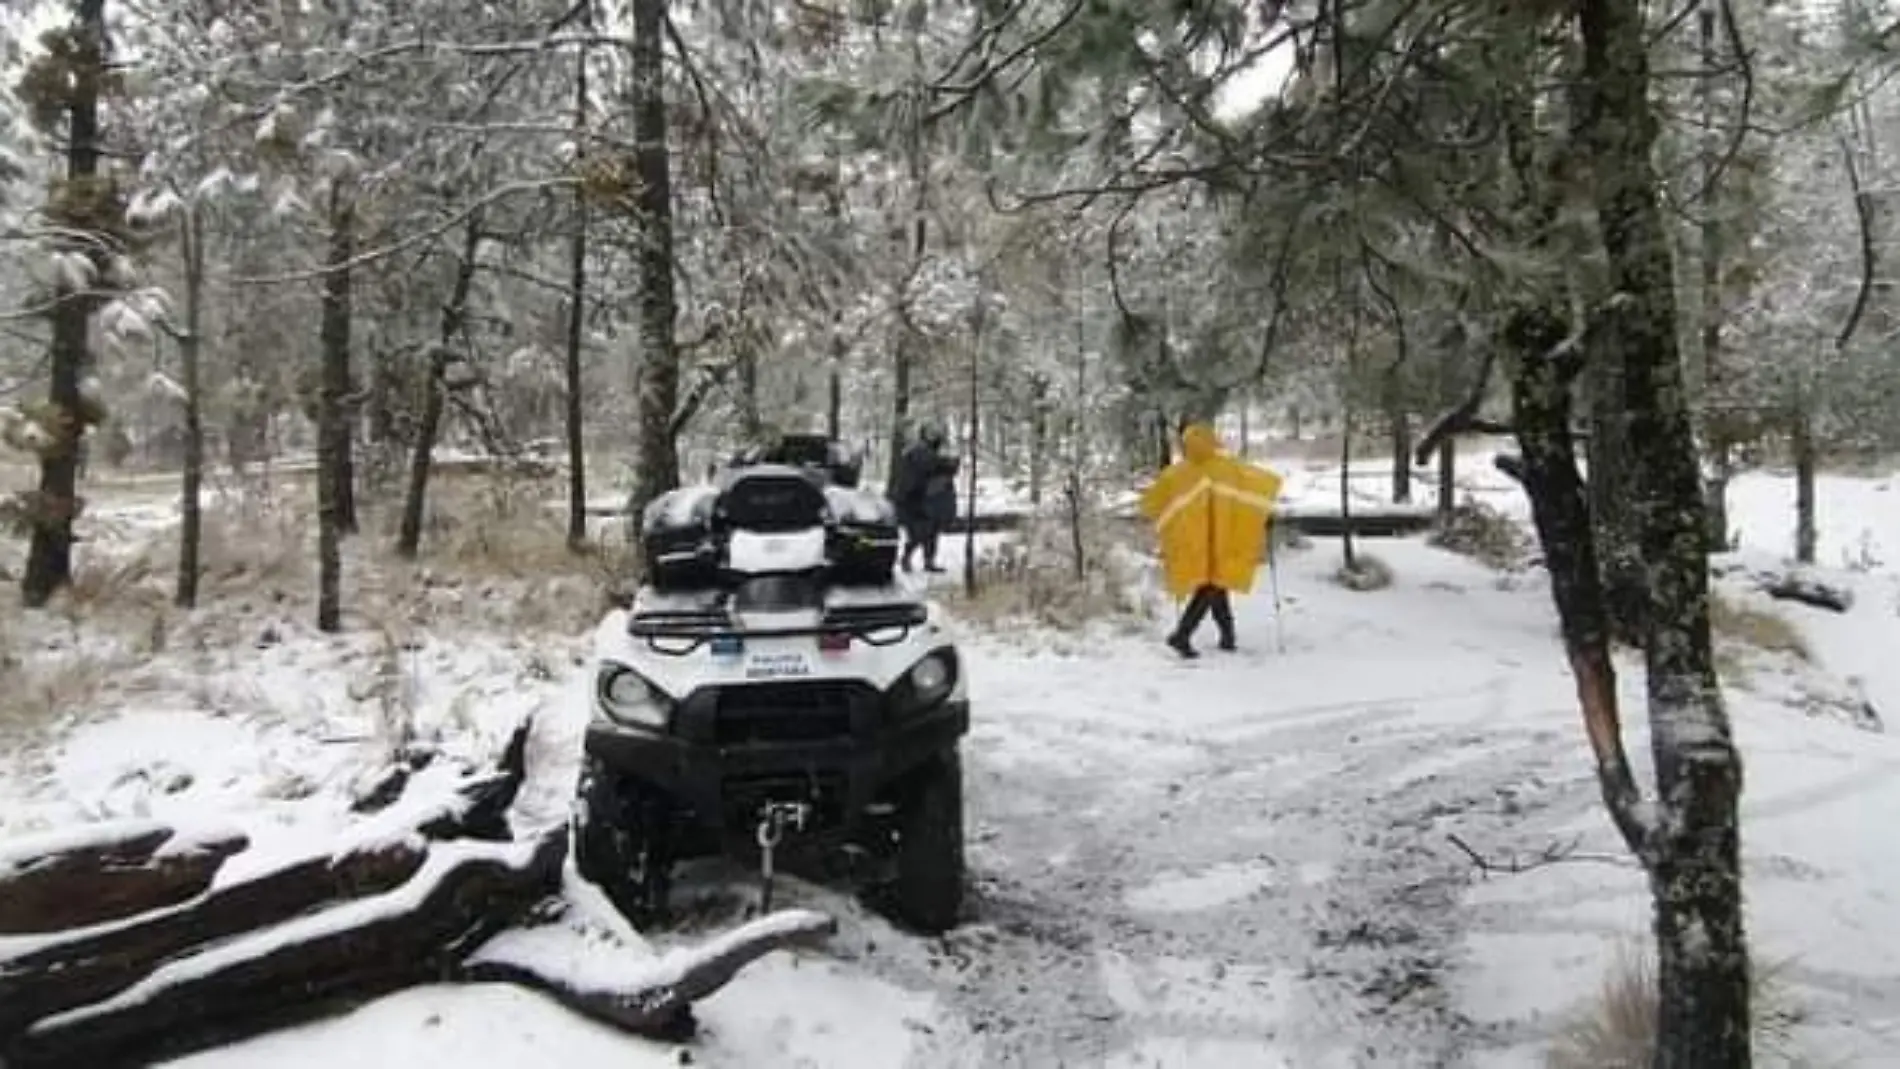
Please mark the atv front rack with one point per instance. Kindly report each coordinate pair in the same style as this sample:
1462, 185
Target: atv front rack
690, 629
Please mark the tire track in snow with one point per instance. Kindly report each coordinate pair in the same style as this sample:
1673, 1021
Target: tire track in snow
1318, 903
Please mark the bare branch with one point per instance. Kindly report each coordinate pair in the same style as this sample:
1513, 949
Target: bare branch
443, 226
1554, 854
1863, 218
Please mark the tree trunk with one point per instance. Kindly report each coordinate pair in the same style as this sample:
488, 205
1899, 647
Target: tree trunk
751, 422
576, 316
1801, 442
904, 353
1400, 426
971, 439
1694, 852
190, 505
1612, 491
79, 204
1038, 438
834, 367
656, 460
1715, 403
333, 426
1447, 477
1347, 547
435, 400
1560, 510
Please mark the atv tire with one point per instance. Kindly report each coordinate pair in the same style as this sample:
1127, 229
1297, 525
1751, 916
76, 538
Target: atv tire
619, 843
927, 894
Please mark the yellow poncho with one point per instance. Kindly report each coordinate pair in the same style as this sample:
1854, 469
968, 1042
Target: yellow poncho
1210, 513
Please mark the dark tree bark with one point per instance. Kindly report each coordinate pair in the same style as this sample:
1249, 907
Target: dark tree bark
1447, 478
1039, 437
435, 400
333, 421
656, 461
904, 354
83, 969
1716, 422
113, 874
1693, 852
1542, 373
79, 204
1801, 444
834, 369
1612, 490
190, 344
1399, 424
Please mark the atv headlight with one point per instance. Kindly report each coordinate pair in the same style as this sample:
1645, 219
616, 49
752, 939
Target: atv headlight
627, 698
930, 680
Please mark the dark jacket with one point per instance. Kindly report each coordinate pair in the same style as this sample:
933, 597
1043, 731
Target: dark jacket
926, 488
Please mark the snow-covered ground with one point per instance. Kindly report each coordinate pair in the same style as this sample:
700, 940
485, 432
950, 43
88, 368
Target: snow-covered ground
1243, 861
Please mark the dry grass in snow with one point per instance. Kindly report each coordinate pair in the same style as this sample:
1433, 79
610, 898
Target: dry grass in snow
494, 566
1034, 579
1617, 1029
1757, 628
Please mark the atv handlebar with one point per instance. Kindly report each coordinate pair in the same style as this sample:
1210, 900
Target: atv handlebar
699, 627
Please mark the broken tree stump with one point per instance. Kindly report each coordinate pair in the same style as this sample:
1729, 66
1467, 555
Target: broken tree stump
105, 872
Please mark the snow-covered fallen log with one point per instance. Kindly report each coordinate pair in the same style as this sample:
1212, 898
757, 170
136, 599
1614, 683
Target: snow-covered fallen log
104, 872
593, 974
465, 893
60, 972
432, 889
1808, 591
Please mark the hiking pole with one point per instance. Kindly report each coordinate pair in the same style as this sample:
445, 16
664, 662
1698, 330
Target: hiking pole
1273, 582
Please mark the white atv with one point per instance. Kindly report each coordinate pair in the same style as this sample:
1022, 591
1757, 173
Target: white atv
771, 691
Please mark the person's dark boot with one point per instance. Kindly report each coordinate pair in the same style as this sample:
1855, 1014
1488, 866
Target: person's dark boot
933, 567
1227, 644
1179, 643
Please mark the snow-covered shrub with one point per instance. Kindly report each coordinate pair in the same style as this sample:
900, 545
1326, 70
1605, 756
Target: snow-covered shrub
1366, 573
1476, 530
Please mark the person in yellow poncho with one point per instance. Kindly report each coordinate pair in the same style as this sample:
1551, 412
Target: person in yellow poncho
1210, 512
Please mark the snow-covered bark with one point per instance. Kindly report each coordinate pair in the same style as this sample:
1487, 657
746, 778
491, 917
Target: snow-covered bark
1692, 849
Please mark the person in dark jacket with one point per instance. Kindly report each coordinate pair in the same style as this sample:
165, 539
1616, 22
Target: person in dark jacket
925, 495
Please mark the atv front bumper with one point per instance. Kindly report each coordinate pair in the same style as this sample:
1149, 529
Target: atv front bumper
724, 783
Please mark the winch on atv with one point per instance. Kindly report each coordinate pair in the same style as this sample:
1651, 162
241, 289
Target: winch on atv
773, 695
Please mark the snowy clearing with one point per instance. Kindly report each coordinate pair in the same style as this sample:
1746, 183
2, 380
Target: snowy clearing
1239, 861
